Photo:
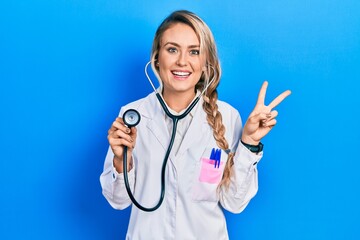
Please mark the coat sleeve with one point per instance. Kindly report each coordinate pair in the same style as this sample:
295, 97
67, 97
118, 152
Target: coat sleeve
244, 181
113, 185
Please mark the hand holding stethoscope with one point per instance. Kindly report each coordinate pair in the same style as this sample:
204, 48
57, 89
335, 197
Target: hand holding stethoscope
120, 135
262, 119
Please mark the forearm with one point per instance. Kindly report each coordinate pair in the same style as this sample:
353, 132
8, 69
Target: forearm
119, 164
244, 182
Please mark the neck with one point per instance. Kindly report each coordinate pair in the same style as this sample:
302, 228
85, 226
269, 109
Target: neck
178, 101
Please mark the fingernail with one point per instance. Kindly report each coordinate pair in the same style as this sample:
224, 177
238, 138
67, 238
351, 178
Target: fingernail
127, 130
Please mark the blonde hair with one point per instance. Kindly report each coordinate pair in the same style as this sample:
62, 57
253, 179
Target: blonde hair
213, 71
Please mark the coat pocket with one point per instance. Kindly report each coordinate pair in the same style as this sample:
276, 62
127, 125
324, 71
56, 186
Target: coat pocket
208, 174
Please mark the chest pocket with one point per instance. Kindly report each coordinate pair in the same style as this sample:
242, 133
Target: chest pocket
208, 174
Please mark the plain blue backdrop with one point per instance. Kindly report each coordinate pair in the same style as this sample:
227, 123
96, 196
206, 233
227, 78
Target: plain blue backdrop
67, 66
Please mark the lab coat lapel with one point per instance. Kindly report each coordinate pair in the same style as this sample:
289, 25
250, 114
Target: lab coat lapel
156, 124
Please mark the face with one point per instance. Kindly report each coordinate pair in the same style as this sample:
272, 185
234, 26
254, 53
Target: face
179, 60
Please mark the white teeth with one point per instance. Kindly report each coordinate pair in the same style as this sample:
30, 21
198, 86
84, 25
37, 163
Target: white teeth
181, 73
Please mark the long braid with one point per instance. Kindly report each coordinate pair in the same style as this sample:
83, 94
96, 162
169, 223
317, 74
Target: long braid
214, 119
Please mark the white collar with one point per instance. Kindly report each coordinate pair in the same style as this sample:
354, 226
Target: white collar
182, 111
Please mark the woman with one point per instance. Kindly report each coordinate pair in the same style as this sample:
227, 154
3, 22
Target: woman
212, 164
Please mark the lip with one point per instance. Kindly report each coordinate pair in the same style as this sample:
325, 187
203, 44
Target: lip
180, 74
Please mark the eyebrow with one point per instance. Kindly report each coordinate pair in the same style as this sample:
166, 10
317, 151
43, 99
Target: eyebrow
177, 45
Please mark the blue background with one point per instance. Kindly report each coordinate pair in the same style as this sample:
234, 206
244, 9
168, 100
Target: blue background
67, 66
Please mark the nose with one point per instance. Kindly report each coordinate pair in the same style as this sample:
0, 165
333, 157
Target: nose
182, 59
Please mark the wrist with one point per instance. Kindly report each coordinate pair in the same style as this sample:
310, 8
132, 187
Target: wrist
249, 141
254, 148
118, 164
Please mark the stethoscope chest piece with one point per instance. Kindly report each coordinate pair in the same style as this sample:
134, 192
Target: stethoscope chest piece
131, 118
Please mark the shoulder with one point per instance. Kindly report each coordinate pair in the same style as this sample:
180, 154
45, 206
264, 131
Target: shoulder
230, 115
226, 109
142, 103
232, 121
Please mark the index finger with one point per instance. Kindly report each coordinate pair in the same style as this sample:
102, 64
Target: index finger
113, 125
279, 99
262, 93
120, 120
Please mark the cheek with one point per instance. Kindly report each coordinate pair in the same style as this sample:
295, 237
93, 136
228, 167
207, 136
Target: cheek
162, 63
166, 58
199, 69
199, 65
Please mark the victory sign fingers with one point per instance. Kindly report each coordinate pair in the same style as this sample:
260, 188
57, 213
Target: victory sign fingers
263, 118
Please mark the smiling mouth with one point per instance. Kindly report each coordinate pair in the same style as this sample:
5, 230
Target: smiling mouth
180, 74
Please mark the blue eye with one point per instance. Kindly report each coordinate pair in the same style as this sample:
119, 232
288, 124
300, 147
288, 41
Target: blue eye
194, 52
172, 50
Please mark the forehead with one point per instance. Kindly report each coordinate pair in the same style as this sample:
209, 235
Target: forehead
181, 34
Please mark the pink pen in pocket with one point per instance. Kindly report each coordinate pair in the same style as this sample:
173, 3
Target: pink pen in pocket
212, 168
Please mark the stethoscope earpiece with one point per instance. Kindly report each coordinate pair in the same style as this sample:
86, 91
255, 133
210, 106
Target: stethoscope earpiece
131, 118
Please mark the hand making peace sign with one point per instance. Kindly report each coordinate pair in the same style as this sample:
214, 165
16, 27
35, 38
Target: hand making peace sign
262, 118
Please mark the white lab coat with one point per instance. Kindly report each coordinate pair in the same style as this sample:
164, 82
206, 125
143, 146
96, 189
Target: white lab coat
192, 208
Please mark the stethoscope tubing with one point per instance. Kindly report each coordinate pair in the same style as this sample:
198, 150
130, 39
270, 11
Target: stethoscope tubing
175, 119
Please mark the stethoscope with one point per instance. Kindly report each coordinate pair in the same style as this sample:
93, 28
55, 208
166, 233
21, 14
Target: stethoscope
132, 117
